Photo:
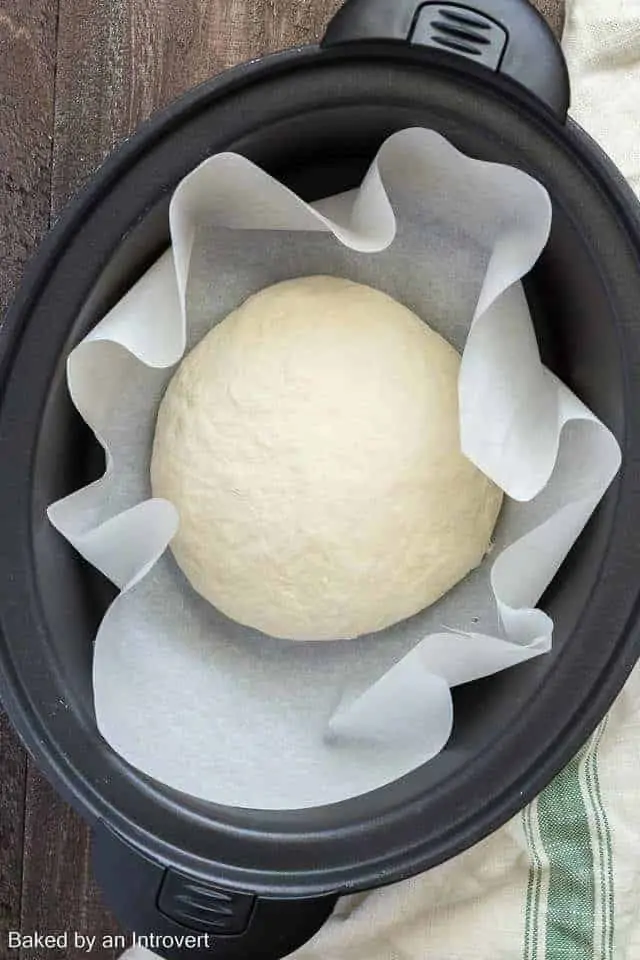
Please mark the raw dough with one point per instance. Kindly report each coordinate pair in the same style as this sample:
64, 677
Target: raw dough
310, 443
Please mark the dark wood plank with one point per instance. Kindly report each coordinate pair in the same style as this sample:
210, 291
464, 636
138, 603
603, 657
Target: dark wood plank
131, 57
58, 891
13, 767
27, 70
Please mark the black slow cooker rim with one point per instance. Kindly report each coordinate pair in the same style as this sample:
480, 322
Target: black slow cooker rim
84, 795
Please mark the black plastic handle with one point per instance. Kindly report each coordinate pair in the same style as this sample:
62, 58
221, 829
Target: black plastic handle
509, 37
182, 917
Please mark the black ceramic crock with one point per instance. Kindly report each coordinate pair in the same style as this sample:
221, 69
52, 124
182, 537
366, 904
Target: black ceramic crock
489, 75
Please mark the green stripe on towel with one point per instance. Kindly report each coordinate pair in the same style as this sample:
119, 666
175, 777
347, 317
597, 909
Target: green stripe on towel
564, 828
532, 913
601, 837
570, 820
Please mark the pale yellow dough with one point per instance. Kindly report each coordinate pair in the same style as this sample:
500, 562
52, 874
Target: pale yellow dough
310, 443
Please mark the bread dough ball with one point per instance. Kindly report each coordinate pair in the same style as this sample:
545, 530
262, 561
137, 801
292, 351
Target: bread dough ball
310, 444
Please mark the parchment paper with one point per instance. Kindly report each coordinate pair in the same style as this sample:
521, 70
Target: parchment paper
213, 709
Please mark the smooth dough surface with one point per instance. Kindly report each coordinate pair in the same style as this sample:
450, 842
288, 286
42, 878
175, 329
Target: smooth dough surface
310, 443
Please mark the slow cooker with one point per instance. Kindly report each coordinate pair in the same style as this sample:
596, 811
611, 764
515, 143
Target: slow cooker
489, 75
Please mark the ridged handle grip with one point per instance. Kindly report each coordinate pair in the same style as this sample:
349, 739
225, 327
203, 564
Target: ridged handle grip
182, 917
509, 37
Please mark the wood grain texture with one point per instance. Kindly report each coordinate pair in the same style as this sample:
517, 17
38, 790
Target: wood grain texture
120, 60
13, 767
27, 81
58, 890
115, 63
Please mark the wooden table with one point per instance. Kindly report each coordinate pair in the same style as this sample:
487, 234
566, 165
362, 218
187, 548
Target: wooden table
76, 77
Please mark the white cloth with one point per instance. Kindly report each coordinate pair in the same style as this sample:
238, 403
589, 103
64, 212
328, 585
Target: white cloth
602, 47
562, 880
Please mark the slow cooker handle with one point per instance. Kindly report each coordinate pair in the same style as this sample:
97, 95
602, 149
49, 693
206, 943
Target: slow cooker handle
184, 917
509, 37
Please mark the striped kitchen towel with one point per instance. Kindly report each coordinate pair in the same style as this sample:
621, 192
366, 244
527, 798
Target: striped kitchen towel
562, 880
